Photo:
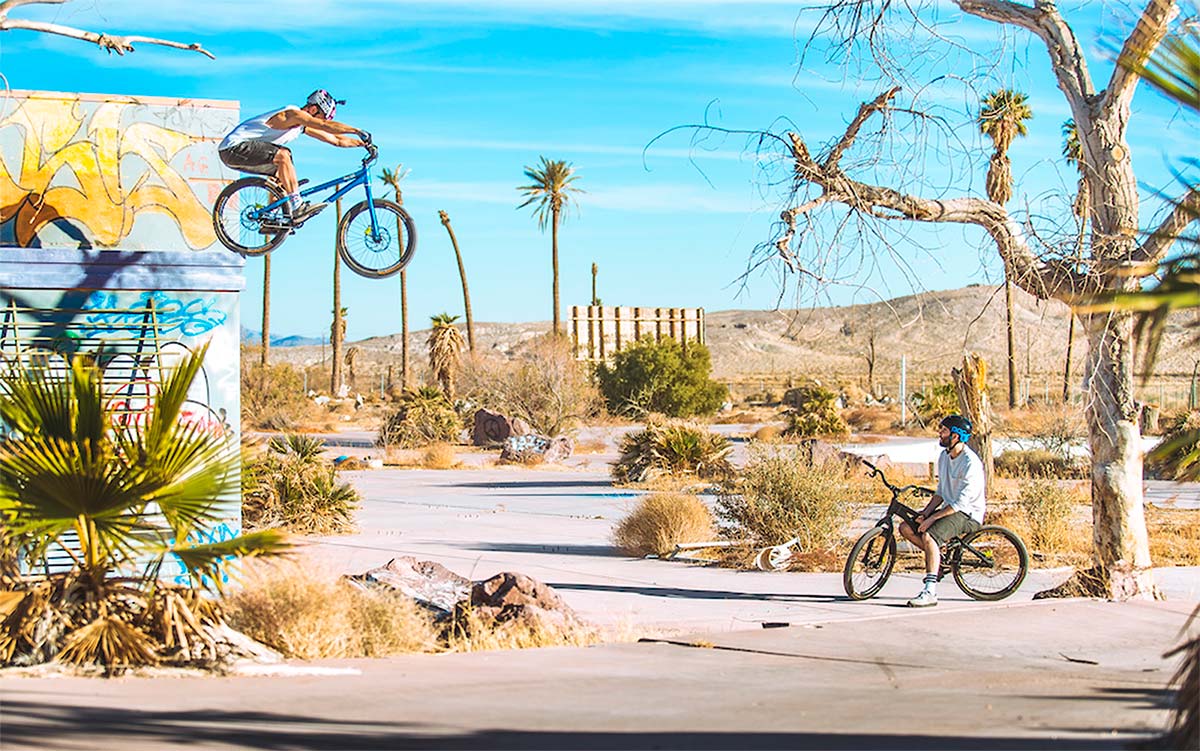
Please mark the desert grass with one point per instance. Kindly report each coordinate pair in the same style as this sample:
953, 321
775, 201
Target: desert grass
661, 521
472, 632
439, 456
1050, 510
305, 613
593, 446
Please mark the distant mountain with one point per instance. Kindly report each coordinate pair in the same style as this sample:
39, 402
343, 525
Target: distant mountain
255, 337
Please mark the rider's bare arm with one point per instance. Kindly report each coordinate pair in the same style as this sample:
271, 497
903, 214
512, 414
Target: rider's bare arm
292, 118
334, 139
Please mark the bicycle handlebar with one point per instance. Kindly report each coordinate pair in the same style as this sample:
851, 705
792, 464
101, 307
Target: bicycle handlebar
877, 472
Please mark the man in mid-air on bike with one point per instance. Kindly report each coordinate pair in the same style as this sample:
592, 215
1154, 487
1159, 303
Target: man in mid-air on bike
961, 489
257, 145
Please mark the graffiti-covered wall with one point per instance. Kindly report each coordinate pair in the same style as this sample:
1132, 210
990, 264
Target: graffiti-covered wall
97, 171
106, 246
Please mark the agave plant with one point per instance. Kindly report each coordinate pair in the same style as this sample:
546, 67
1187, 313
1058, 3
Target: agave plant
117, 501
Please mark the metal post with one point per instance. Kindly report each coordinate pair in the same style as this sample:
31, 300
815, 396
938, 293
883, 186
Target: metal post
903, 390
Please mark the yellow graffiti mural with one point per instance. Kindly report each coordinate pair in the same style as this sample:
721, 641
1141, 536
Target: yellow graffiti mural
58, 137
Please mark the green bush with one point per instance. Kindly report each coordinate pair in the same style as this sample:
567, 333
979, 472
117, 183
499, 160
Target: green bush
781, 495
814, 412
672, 449
661, 377
424, 417
1048, 507
273, 398
1039, 463
291, 486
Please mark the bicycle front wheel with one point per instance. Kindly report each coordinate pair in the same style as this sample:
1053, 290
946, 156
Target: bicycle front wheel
239, 221
381, 249
869, 564
991, 564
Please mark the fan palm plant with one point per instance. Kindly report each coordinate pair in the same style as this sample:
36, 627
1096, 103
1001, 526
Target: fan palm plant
550, 189
119, 501
445, 351
392, 179
1002, 118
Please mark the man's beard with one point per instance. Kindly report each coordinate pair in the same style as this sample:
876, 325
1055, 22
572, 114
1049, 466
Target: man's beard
946, 442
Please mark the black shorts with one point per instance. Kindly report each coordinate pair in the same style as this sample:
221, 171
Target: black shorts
257, 157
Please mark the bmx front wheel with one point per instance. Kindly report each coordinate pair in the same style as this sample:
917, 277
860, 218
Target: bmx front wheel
377, 249
239, 221
869, 564
991, 564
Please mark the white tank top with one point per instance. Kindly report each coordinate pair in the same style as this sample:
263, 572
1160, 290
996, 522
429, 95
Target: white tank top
256, 129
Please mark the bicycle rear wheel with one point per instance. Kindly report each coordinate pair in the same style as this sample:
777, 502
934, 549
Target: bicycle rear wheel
869, 564
379, 251
991, 564
237, 219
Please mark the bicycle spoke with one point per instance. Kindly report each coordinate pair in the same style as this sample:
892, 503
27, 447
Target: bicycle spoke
991, 564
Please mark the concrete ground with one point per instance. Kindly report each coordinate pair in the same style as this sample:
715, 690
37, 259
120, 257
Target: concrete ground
740, 659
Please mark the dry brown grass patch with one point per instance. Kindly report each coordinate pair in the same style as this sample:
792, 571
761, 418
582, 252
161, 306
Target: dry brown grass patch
593, 446
439, 456
1174, 536
661, 521
475, 633
308, 614
767, 433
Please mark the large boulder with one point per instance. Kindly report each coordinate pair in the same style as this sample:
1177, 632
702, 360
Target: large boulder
492, 428
511, 596
535, 449
429, 583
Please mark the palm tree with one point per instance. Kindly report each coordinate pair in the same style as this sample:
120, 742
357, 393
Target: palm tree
550, 189
118, 497
337, 329
1002, 118
462, 273
1073, 152
266, 313
445, 350
393, 178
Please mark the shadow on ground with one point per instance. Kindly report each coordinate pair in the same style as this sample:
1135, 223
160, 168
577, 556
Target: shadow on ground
35, 725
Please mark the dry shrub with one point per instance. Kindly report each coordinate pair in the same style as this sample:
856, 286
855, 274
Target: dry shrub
439, 456
423, 417
1040, 463
1049, 508
476, 633
672, 448
273, 398
767, 433
781, 495
308, 615
870, 419
661, 521
1174, 536
1074, 549
544, 385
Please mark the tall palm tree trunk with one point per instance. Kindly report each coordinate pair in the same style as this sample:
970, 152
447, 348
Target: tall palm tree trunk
462, 273
335, 332
266, 311
404, 329
554, 266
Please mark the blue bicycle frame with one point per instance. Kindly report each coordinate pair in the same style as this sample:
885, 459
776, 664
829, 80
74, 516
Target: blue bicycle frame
360, 177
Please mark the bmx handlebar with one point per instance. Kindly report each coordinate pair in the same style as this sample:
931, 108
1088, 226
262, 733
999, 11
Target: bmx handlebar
877, 472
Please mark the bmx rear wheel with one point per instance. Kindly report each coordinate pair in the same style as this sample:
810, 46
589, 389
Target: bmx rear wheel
869, 564
381, 249
238, 221
991, 564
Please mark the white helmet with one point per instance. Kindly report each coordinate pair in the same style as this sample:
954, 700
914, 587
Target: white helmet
325, 102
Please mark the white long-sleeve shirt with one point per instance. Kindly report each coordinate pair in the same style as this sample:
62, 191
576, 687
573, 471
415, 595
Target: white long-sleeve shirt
961, 483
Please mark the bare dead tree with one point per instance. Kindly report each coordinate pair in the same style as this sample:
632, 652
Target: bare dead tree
118, 43
840, 189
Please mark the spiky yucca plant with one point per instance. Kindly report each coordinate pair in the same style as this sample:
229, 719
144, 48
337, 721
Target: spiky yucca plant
118, 500
672, 449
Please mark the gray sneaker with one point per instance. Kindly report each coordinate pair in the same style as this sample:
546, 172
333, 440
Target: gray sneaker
925, 599
306, 211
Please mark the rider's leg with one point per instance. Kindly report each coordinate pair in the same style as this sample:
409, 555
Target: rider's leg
285, 172
933, 558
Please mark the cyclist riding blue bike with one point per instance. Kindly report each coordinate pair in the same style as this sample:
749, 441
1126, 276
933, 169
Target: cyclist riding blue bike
960, 488
257, 145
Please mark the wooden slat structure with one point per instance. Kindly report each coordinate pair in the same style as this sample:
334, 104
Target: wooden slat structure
598, 332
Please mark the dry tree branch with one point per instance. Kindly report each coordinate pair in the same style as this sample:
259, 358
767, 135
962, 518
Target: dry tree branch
110, 43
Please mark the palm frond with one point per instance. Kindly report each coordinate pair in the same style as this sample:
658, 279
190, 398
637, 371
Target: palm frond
204, 561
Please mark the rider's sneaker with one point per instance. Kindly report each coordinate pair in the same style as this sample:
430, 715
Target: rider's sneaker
306, 211
925, 599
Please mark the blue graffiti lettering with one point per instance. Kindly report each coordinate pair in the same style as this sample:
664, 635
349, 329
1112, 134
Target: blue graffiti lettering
193, 317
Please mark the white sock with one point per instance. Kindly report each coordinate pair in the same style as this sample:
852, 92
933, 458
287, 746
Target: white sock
294, 200
931, 584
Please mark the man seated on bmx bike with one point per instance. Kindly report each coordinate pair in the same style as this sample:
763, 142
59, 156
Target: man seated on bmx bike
257, 145
960, 487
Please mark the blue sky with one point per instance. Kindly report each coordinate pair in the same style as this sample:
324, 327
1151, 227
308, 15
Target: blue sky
466, 94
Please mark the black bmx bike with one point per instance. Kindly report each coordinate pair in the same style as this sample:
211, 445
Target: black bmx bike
987, 564
376, 237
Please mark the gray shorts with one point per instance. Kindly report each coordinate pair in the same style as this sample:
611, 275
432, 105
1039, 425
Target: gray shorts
957, 524
257, 157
